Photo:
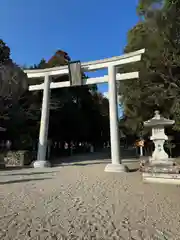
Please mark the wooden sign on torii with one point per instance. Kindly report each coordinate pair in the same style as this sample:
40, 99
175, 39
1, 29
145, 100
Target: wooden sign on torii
75, 69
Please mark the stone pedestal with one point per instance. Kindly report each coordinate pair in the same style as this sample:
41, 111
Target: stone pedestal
116, 168
162, 172
161, 178
41, 164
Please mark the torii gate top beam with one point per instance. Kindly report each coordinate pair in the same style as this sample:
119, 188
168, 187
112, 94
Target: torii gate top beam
88, 66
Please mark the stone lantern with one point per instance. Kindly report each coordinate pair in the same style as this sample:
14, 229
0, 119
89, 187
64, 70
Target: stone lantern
158, 123
160, 168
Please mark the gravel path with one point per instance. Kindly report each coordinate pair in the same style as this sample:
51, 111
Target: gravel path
84, 202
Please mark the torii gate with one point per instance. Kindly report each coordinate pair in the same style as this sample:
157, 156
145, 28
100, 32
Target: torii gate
74, 72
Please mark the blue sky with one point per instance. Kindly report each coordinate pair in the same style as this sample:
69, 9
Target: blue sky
87, 30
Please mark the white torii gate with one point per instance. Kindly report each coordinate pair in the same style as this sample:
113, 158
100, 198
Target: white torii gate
111, 64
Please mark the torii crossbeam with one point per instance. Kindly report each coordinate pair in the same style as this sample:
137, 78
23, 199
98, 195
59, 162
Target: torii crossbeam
112, 64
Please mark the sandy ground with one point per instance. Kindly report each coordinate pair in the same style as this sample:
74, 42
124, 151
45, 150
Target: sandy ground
81, 201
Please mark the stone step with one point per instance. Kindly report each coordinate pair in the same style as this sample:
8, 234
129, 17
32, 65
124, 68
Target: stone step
163, 169
161, 178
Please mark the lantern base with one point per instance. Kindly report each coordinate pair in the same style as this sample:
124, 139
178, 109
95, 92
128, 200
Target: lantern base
167, 161
167, 172
161, 178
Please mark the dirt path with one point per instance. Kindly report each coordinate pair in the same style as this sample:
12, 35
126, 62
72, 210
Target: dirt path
84, 202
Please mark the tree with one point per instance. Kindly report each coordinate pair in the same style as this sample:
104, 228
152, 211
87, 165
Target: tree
13, 81
77, 113
14, 108
60, 58
4, 52
158, 31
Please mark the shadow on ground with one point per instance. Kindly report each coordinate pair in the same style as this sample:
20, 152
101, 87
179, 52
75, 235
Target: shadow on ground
27, 174
133, 169
81, 164
104, 155
97, 158
133, 166
83, 157
23, 180
14, 168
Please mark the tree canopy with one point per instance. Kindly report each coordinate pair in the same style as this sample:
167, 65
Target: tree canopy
13, 103
158, 31
77, 113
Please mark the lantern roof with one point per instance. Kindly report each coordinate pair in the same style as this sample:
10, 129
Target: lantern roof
158, 120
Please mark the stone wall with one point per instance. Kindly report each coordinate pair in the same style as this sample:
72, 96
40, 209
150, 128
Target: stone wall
17, 158
2, 163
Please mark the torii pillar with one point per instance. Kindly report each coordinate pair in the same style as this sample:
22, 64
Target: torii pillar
116, 164
41, 161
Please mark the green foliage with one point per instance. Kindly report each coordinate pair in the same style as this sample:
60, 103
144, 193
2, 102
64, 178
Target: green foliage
77, 113
158, 86
60, 58
4, 52
13, 81
146, 8
15, 108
